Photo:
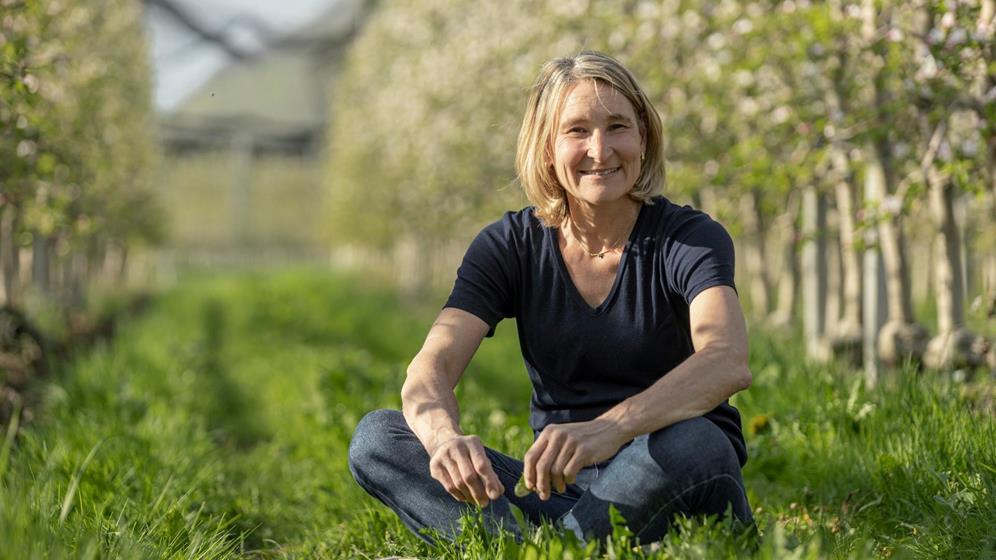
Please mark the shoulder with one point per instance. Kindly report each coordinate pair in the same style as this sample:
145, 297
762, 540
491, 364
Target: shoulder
514, 228
670, 222
515, 220
513, 236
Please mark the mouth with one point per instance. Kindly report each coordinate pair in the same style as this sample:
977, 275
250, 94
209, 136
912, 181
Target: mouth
599, 172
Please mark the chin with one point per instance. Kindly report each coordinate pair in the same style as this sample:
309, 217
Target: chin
604, 195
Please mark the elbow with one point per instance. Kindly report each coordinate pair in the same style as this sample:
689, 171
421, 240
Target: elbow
735, 373
743, 379
420, 383
409, 389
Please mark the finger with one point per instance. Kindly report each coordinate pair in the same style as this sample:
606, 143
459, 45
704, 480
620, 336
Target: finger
573, 467
557, 478
543, 465
492, 486
446, 480
470, 482
529, 461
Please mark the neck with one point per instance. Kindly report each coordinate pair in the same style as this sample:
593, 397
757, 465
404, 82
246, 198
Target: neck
603, 226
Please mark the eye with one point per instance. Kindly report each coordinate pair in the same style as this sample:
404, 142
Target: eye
618, 126
576, 130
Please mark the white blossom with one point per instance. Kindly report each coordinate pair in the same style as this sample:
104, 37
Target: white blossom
743, 78
743, 26
928, 68
947, 20
780, 114
716, 41
26, 148
891, 204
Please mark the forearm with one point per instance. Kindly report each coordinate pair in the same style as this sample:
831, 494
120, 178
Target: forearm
429, 404
698, 385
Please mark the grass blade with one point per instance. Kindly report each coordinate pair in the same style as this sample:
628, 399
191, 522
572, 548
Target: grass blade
8, 441
74, 484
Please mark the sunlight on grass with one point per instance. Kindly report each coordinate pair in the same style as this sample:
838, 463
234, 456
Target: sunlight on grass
217, 425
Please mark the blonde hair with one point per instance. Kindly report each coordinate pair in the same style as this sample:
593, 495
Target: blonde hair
534, 152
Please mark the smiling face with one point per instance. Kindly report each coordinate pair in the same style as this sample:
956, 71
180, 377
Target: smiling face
597, 144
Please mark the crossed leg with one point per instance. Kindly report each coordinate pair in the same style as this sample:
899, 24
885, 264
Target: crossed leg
688, 468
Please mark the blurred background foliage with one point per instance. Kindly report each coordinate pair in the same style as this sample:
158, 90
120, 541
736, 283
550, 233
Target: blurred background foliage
880, 113
849, 146
77, 144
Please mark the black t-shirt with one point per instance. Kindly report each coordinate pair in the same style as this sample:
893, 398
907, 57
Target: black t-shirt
583, 360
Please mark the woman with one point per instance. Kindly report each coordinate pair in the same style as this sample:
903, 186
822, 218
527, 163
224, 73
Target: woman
629, 325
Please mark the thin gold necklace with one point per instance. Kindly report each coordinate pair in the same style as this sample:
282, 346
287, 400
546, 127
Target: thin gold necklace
600, 254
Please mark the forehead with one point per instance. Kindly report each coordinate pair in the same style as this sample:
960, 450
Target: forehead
592, 99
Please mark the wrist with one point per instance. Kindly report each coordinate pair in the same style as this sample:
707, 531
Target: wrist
438, 438
619, 425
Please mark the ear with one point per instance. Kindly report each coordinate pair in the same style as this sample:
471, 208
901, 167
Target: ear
548, 157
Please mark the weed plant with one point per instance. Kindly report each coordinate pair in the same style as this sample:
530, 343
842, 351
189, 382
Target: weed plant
216, 426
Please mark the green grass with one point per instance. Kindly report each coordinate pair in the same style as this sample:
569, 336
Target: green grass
216, 426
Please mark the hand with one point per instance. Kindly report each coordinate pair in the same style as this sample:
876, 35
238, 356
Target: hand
562, 450
462, 467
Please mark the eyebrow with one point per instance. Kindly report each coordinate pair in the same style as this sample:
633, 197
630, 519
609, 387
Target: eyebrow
612, 117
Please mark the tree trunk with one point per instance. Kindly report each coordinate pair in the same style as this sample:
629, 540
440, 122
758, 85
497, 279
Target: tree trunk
954, 346
987, 82
965, 226
41, 260
831, 310
873, 291
122, 273
900, 338
788, 277
76, 281
10, 254
850, 318
950, 298
846, 334
753, 239
814, 272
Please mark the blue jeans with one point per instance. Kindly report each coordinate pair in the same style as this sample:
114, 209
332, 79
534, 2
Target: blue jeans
688, 468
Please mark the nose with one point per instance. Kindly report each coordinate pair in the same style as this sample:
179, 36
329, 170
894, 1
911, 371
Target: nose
598, 146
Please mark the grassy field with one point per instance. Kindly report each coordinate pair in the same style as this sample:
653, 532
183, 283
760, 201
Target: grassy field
216, 426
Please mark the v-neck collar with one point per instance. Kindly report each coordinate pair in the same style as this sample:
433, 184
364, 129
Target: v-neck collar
566, 274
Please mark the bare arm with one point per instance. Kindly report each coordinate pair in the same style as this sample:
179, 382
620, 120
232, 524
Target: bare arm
716, 370
430, 408
427, 398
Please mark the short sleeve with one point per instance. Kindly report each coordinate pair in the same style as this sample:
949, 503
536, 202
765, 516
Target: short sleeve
699, 256
485, 281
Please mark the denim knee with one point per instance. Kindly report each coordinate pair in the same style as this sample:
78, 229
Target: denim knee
696, 446
697, 452
372, 440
